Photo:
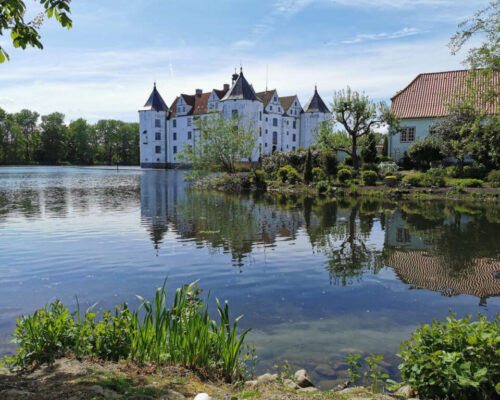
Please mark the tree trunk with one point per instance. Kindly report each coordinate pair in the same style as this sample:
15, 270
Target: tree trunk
354, 155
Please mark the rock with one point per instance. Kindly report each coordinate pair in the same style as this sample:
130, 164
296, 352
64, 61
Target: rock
309, 389
106, 393
202, 396
173, 395
406, 391
96, 389
325, 370
14, 394
290, 384
267, 378
302, 379
251, 384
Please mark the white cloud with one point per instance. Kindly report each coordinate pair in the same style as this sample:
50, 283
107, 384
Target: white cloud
384, 35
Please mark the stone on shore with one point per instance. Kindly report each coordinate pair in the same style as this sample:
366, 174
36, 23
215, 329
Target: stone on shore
202, 396
406, 391
302, 379
267, 378
290, 384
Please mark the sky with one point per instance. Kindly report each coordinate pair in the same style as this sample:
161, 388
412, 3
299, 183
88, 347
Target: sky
105, 66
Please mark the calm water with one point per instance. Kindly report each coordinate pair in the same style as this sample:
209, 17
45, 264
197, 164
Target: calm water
315, 279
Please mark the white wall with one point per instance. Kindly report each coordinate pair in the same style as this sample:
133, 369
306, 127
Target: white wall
397, 148
148, 141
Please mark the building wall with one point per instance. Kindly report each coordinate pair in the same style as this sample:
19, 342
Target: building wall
308, 124
421, 125
149, 141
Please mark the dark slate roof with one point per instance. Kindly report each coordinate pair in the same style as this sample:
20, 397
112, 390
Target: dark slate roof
155, 102
316, 104
241, 90
266, 96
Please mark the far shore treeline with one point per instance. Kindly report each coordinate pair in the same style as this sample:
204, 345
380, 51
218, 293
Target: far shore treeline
28, 138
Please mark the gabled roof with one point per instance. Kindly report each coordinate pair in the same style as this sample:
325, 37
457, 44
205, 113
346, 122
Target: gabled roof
241, 90
201, 104
429, 94
316, 104
155, 102
189, 99
266, 96
287, 102
221, 93
173, 107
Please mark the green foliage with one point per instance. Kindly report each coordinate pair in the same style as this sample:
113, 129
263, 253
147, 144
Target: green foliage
272, 163
288, 174
322, 187
308, 175
344, 175
373, 372
182, 334
369, 150
221, 142
387, 168
284, 371
354, 366
391, 180
414, 179
469, 182
433, 177
474, 171
456, 359
424, 152
348, 160
318, 174
385, 149
369, 178
369, 167
328, 161
26, 33
494, 177
258, 179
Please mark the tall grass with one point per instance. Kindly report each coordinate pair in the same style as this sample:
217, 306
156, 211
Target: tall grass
180, 334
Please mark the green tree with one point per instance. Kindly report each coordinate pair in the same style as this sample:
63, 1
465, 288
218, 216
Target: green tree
78, 149
27, 122
358, 116
26, 33
308, 175
328, 161
219, 142
485, 23
385, 150
425, 151
12, 143
53, 135
108, 133
369, 150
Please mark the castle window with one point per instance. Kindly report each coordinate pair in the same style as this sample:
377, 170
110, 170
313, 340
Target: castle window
279, 109
189, 135
275, 137
403, 235
294, 124
189, 122
174, 136
175, 149
270, 108
157, 135
265, 144
293, 148
174, 123
275, 98
266, 131
275, 121
260, 131
260, 115
145, 132
157, 149
266, 119
408, 135
294, 137
157, 123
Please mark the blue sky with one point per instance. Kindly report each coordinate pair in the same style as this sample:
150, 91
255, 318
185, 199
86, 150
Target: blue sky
105, 66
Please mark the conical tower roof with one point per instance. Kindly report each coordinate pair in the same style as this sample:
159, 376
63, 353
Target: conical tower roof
316, 104
155, 102
241, 90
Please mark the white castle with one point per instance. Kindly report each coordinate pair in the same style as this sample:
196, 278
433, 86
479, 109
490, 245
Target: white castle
280, 123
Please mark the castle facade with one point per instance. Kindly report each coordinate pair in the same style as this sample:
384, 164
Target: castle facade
280, 123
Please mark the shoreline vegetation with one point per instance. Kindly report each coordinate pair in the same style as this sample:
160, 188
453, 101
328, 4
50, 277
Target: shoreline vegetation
177, 351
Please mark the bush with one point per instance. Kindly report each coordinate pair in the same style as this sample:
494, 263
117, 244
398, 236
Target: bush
348, 160
453, 171
344, 175
387, 168
425, 151
318, 174
369, 149
308, 175
328, 161
415, 179
474, 172
258, 179
322, 186
288, 174
469, 182
494, 177
369, 167
391, 180
456, 359
434, 177
369, 178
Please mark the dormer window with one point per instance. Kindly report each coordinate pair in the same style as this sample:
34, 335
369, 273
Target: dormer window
174, 123
189, 122
275, 98
270, 108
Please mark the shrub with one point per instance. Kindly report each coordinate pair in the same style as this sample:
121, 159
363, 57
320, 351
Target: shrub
474, 172
369, 149
369, 178
293, 176
415, 179
258, 179
328, 161
391, 180
494, 177
425, 151
469, 182
348, 160
454, 171
283, 173
456, 359
387, 168
344, 175
308, 175
369, 167
434, 177
322, 186
318, 174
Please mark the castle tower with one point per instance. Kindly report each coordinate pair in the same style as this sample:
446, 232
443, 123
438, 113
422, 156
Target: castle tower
315, 112
153, 131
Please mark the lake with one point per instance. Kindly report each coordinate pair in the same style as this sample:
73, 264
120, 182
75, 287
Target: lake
315, 278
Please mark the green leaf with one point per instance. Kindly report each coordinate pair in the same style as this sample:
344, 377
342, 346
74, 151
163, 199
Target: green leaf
497, 387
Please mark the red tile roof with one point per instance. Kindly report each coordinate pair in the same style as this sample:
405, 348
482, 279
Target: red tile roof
429, 94
199, 104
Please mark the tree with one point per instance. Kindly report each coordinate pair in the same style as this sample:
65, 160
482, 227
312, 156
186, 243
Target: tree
425, 151
26, 33
328, 161
369, 150
484, 23
219, 142
53, 135
308, 175
27, 122
358, 116
385, 149
78, 143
